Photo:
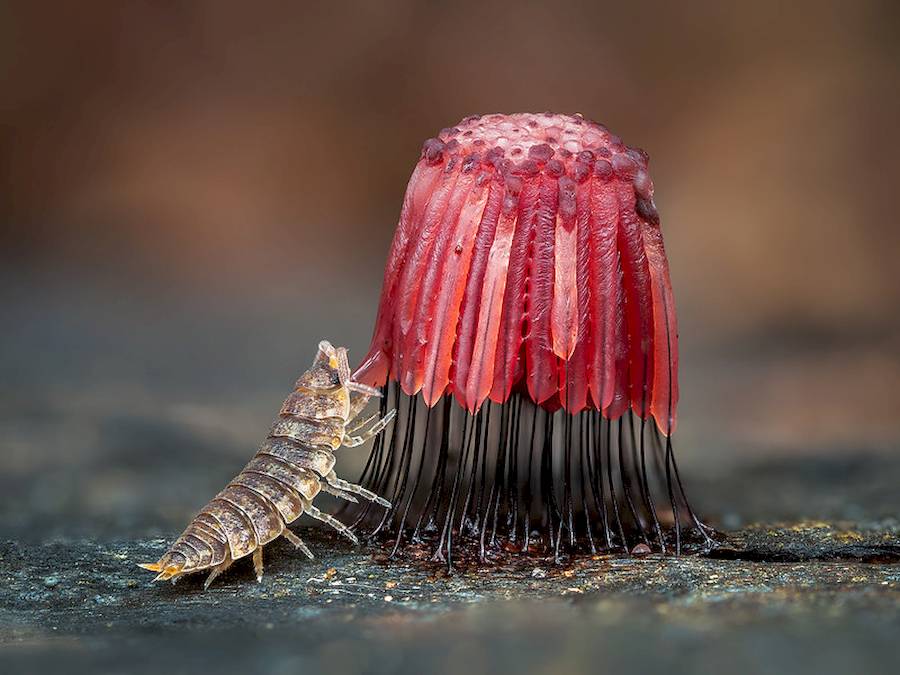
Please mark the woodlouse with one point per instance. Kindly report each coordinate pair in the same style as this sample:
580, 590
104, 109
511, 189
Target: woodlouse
278, 485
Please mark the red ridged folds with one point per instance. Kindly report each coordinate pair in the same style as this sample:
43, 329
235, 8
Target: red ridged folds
528, 257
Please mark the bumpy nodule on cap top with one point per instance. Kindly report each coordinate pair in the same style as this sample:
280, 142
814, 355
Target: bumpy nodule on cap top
528, 257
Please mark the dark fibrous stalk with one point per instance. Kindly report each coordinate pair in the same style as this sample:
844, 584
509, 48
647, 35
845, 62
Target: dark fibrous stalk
516, 478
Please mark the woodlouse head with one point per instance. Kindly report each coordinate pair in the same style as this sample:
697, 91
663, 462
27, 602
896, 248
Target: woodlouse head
330, 369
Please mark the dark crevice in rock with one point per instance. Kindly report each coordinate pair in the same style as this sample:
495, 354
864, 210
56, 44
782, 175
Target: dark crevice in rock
884, 555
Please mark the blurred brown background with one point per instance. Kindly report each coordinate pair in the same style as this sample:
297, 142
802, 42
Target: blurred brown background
193, 193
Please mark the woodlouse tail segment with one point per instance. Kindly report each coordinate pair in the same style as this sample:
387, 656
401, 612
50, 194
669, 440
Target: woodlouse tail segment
168, 567
527, 281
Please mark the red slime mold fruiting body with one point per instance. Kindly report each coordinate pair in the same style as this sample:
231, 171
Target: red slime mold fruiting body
527, 289
529, 257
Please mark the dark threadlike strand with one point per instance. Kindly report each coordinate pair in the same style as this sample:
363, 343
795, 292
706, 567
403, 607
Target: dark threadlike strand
516, 475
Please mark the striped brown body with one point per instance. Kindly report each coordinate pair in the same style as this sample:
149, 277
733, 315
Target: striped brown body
291, 467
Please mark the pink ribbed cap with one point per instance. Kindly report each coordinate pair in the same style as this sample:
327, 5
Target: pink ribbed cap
528, 257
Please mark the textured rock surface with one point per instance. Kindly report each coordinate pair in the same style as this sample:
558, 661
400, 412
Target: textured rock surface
809, 597
96, 478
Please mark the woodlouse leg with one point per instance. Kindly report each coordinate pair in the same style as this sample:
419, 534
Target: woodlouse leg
364, 389
258, 563
217, 570
298, 543
338, 492
361, 398
339, 483
358, 402
331, 520
360, 424
353, 441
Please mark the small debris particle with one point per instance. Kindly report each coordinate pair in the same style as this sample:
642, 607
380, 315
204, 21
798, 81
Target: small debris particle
106, 600
389, 598
330, 572
568, 574
34, 596
51, 582
640, 549
848, 537
538, 573
390, 584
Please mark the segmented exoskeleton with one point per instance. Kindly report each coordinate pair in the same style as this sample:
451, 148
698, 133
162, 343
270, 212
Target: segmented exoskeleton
292, 466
